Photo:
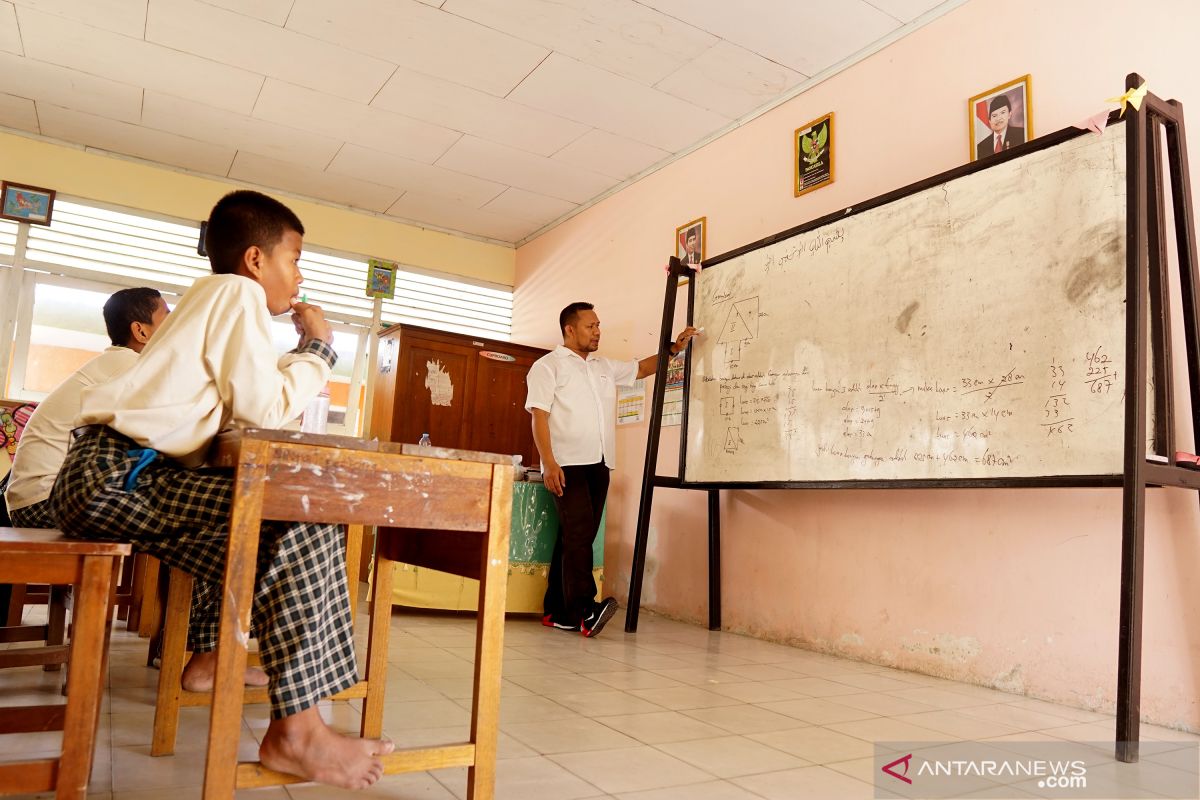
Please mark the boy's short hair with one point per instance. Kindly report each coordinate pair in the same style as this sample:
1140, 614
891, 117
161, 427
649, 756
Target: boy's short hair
570, 314
245, 219
127, 307
998, 102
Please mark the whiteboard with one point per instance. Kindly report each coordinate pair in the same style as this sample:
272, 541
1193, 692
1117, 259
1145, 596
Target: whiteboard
972, 330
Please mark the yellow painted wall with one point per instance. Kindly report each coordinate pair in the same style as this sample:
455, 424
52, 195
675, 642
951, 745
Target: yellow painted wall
93, 176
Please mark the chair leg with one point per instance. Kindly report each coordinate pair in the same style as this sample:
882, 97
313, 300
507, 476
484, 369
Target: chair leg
174, 655
16, 605
56, 626
151, 609
136, 584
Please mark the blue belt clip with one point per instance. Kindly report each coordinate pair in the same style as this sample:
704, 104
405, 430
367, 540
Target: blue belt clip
145, 457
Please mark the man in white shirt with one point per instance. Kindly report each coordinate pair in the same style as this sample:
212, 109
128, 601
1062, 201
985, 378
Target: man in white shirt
572, 398
131, 317
134, 474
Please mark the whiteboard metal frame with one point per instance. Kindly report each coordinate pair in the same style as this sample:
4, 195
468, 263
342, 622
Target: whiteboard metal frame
1148, 307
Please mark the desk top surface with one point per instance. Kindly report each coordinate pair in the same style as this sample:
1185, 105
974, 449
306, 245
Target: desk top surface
229, 441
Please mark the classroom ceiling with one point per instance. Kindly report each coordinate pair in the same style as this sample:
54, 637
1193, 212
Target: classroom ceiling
493, 118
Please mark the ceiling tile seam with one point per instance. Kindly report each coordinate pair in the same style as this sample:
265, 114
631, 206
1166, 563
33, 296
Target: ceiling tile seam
480, 177
288, 17
525, 77
882, 11
145, 18
146, 127
333, 158
879, 44
232, 161
20, 34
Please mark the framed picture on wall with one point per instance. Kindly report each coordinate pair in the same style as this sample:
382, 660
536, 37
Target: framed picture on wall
813, 163
26, 203
1000, 118
690, 242
381, 278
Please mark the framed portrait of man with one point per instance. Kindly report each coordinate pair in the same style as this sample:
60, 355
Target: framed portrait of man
1000, 118
690, 241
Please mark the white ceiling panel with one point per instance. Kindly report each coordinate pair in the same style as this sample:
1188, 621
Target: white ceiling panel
19, 113
371, 165
507, 165
807, 37
134, 140
905, 10
174, 115
433, 210
603, 100
312, 183
126, 17
10, 34
426, 39
492, 118
621, 36
272, 11
69, 88
610, 154
136, 62
731, 81
348, 121
520, 204
472, 111
261, 47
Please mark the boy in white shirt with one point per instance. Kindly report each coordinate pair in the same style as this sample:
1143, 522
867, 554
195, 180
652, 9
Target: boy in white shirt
133, 474
130, 316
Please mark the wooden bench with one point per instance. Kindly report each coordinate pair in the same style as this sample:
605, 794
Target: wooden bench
30, 555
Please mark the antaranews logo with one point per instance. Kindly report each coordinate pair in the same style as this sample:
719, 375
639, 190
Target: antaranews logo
887, 768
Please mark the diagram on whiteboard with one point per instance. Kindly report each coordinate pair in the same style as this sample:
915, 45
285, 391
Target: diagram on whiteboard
740, 327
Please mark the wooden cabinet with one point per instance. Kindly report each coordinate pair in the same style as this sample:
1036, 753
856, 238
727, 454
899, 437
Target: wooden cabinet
464, 391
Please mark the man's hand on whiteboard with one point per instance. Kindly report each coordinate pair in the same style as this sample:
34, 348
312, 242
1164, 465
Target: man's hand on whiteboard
553, 478
685, 336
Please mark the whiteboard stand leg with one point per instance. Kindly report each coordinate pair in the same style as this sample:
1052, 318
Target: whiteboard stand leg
714, 559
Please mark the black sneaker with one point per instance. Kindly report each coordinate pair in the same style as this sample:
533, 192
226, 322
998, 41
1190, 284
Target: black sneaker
602, 612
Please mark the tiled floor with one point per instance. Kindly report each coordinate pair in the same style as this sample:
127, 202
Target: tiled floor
669, 713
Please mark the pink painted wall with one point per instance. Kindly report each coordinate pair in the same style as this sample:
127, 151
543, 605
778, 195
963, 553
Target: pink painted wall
1016, 589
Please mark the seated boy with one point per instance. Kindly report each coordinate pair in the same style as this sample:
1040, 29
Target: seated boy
130, 316
135, 473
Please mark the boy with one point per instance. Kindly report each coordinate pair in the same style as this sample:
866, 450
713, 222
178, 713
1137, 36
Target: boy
130, 316
133, 474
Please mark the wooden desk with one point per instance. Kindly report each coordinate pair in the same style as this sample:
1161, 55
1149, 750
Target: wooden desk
466, 497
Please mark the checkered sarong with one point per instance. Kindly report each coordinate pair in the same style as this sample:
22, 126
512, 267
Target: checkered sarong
34, 515
301, 613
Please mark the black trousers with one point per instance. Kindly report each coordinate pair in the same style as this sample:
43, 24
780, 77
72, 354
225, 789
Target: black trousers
570, 588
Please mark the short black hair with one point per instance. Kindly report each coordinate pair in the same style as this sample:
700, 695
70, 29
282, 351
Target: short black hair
998, 102
570, 314
245, 219
127, 307
692, 232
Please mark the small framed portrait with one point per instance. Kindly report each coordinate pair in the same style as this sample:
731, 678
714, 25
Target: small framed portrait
690, 242
814, 155
1001, 118
381, 278
26, 203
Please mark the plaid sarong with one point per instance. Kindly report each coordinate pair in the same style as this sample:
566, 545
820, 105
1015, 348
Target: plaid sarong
301, 613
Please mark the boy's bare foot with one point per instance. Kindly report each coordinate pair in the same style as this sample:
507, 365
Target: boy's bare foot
200, 672
304, 745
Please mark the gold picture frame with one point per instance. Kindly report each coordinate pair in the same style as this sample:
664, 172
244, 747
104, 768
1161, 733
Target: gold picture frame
699, 226
1018, 123
812, 160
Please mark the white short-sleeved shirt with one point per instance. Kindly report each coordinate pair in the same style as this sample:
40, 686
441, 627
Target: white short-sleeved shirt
43, 446
581, 399
210, 366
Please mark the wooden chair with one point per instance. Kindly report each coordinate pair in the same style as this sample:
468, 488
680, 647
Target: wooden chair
176, 616
28, 554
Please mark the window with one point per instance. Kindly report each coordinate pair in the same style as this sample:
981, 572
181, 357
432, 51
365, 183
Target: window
63, 273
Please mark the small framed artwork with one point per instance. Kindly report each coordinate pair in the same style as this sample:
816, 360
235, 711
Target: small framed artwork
381, 278
814, 155
1000, 118
26, 203
690, 242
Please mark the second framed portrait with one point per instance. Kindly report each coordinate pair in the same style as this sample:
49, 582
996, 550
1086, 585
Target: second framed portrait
690, 241
1000, 118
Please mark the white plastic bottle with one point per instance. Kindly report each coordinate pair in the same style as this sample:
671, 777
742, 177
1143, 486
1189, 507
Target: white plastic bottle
424, 443
315, 418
